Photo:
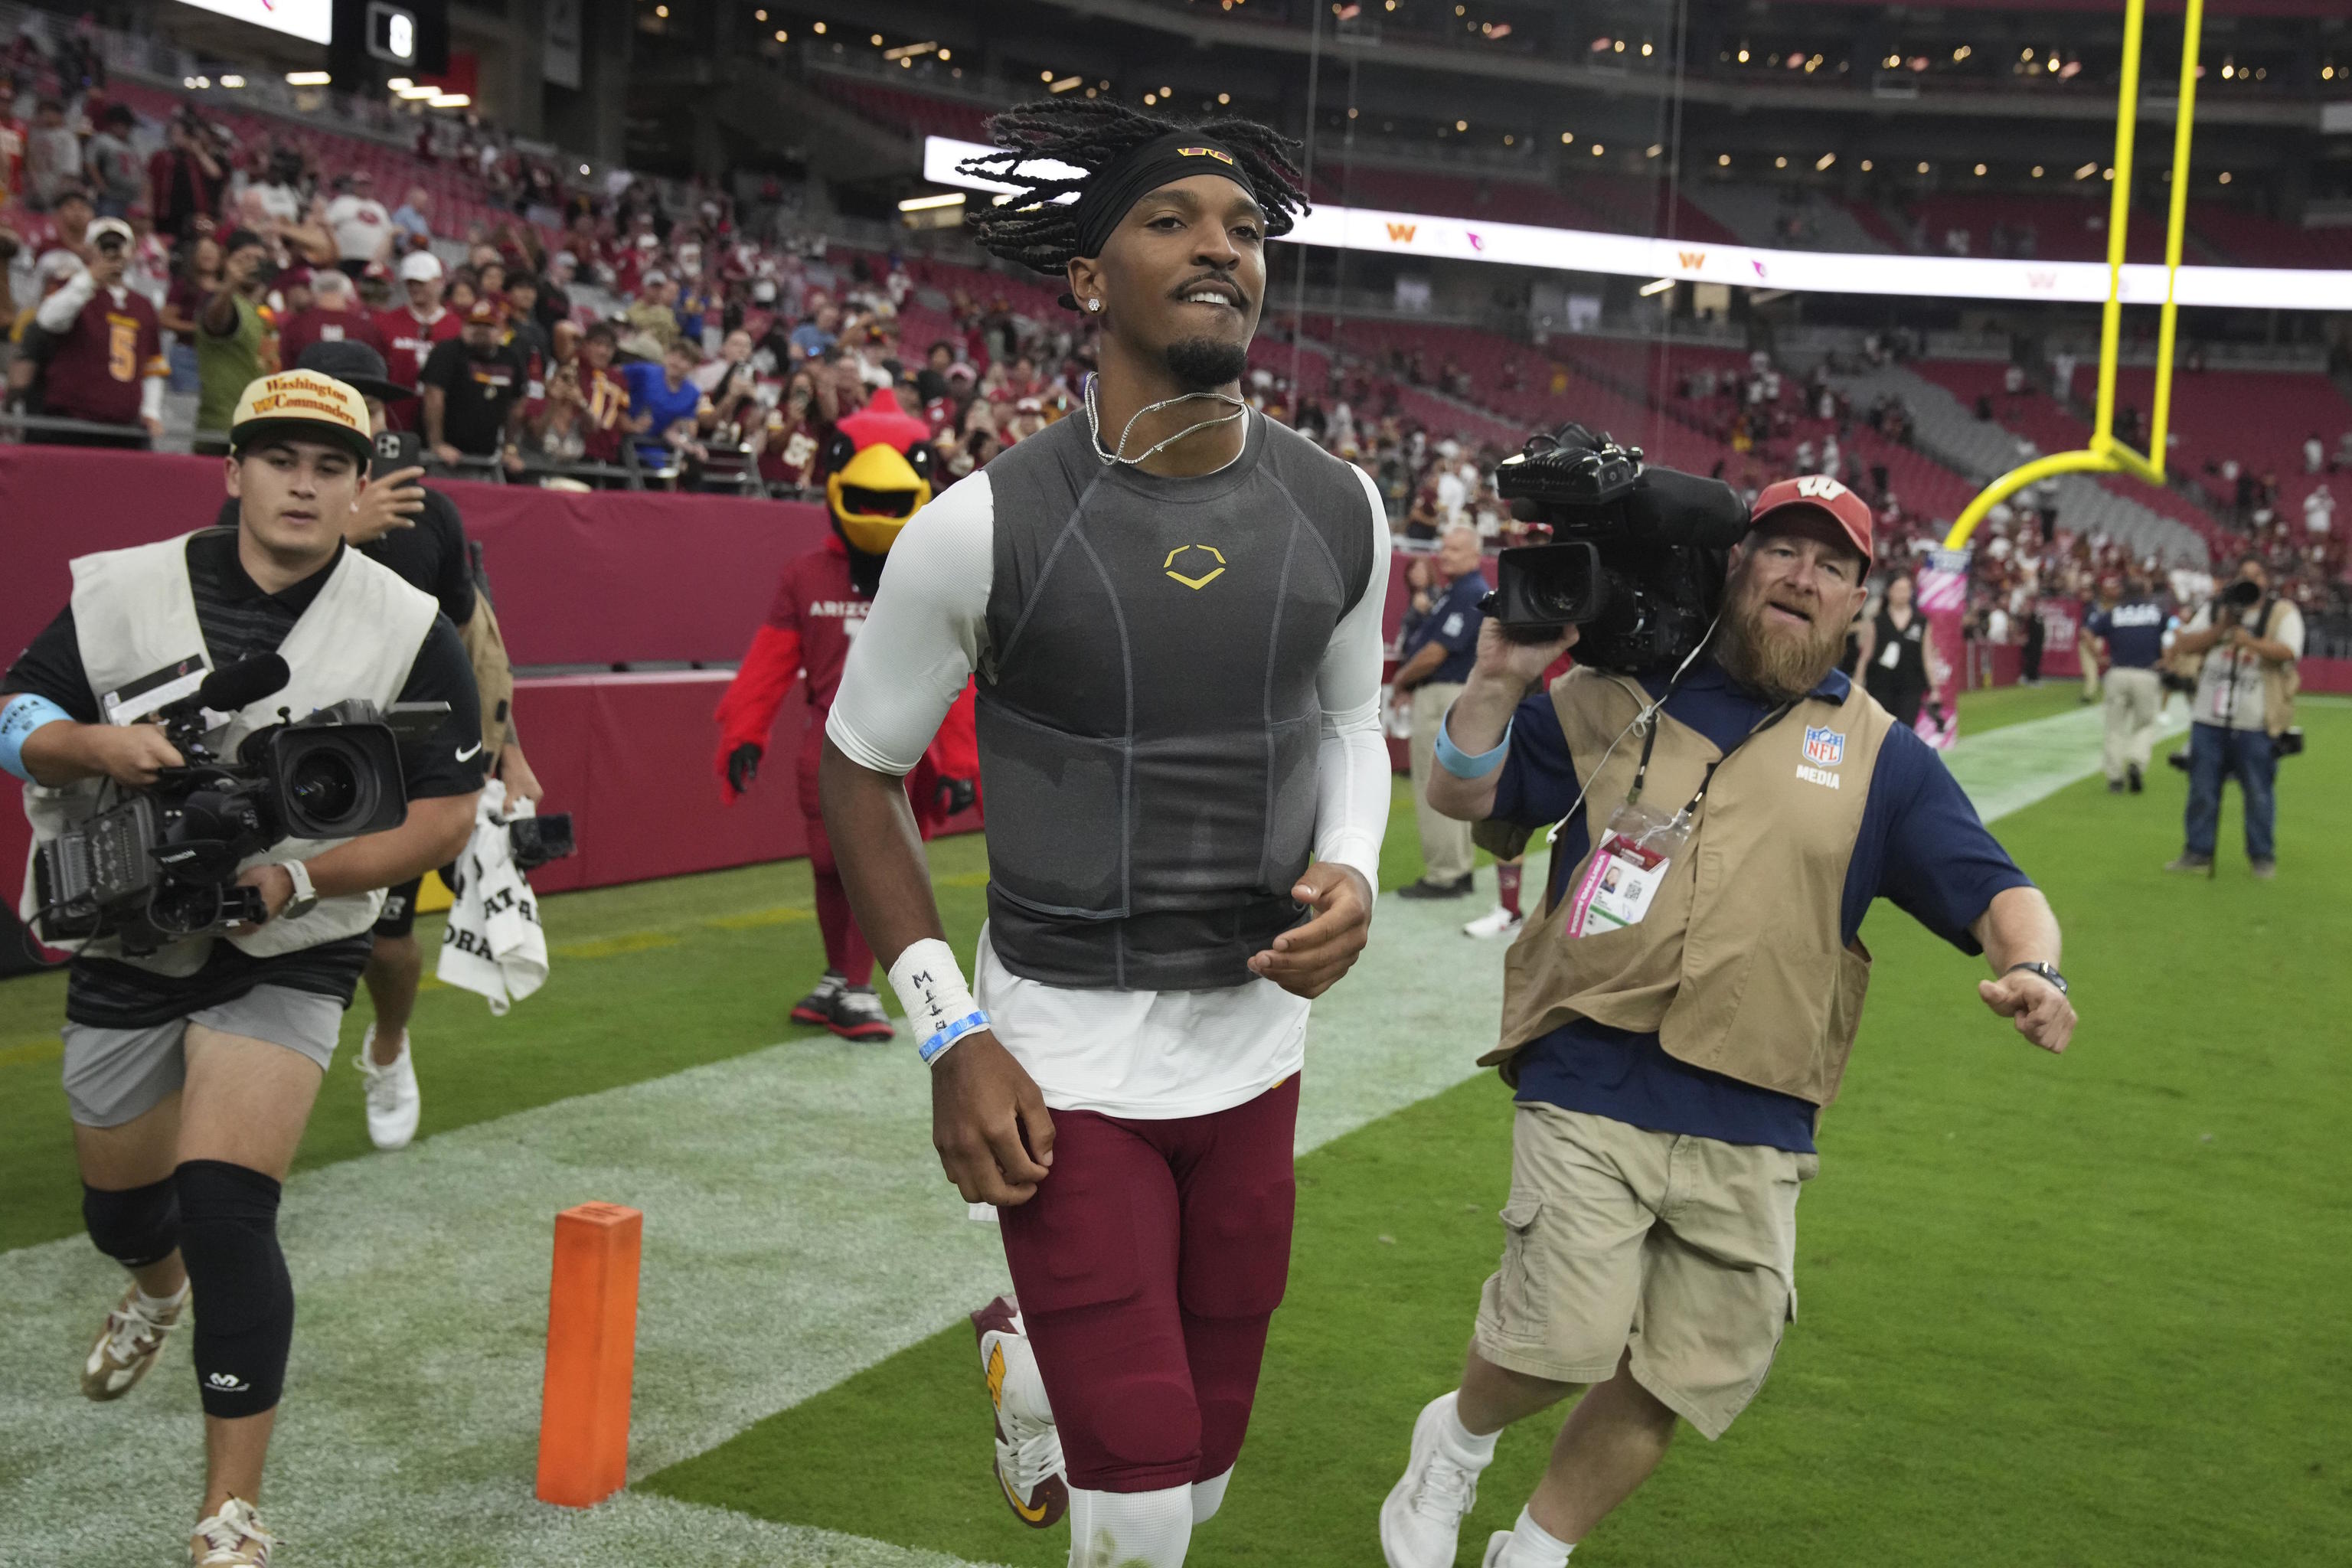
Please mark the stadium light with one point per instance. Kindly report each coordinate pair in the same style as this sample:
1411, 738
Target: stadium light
1598, 149
1743, 54
1150, 99
1867, 165
1065, 85
1652, 150
1980, 169
820, 29
232, 81
1461, 125
1923, 165
1660, 287
904, 51
2087, 170
414, 94
1781, 162
2037, 171
1566, 137
1723, 160
929, 204
1824, 161
308, 79
397, 84
450, 100
2225, 176
1963, 52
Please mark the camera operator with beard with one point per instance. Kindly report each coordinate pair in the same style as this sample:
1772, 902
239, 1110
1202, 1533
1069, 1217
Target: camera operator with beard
190, 1071
1679, 1010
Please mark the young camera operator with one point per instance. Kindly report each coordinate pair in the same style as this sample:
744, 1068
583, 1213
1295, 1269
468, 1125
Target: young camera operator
1679, 1008
190, 1073
397, 522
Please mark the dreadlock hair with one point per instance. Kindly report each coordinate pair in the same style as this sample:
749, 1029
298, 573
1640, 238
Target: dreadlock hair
1038, 229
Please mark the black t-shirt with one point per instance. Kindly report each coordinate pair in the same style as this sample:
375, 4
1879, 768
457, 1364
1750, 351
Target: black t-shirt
479, 392
432, 557
238, 621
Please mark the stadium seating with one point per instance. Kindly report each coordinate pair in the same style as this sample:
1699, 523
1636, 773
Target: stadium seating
2250, 239
2063, 228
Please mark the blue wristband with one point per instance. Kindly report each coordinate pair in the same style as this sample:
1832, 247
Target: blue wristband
24, 715
949, 1033
1462, 765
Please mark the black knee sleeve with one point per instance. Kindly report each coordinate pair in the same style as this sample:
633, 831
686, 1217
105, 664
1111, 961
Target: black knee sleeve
242, 1297
135, 1226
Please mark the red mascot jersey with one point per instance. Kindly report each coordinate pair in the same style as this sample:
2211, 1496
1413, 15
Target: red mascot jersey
817, 610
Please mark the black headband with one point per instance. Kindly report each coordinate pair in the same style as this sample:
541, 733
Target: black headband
1115, 189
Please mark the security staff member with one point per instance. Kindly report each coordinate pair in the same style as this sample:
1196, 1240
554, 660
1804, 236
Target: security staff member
190, 1073
2131, 633
397, 522
1680, 1009
1437, 652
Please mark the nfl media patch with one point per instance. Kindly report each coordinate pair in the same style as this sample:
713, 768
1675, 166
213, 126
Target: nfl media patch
1824, 747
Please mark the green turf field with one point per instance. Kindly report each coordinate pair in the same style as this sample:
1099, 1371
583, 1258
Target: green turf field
2084, 1310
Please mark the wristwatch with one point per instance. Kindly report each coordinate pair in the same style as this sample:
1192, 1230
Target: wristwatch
2047, 970
306, 897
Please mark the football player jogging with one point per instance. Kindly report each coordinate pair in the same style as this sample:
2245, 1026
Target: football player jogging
1174, 605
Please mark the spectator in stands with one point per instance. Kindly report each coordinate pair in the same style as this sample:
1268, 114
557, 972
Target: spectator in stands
232, 339
2314, 453
605, 397
662, 398
414, 217
194, 275
111, 164
819, 331
52, 156
363, 229
2318, 513
186, 177
334, 316
654, 312
473, 388
10, 244
410, 332
106, 352
525, 332
1437, 653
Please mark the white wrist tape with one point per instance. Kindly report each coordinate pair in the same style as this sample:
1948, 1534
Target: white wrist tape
940, 1005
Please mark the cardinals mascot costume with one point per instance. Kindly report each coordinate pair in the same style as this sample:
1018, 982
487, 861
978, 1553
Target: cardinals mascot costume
877, 474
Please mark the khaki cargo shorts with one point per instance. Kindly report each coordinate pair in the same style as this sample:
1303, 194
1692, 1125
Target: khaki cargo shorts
1681, 1249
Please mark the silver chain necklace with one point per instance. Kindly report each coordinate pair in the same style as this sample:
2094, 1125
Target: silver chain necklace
1114, 457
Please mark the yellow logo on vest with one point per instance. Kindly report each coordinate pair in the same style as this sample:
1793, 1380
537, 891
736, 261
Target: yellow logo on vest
1196, 584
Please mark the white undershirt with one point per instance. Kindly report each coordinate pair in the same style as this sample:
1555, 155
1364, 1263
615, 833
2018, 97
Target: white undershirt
1149, 1054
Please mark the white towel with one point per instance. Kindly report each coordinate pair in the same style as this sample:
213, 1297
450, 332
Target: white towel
493, 943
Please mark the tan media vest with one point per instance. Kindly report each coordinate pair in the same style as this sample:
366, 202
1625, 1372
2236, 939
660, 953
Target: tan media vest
1739, 967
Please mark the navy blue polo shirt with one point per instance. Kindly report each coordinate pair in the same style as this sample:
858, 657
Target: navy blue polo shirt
2133, 631
1921, 845
1451, 623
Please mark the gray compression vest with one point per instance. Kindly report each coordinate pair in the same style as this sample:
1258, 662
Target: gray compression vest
1148, 712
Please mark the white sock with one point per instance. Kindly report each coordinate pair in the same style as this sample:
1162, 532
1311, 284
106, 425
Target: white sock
1466, 1447
1131, 1530
156, 1306
1208, 1497
1533, 1546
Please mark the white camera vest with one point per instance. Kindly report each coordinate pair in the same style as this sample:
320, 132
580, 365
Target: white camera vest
134, 612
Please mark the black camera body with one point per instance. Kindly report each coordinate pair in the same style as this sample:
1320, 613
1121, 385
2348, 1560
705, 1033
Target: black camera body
536, 840
160, 865
1637, 556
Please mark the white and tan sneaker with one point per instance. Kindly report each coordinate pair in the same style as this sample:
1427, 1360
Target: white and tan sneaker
394, 1103
1029, 1467
233, 1538
1497, 921
133, 1337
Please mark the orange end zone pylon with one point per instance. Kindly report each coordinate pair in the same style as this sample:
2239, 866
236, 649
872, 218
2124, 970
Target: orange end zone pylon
592, 1354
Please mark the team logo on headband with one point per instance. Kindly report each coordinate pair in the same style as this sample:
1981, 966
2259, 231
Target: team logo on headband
1205, 152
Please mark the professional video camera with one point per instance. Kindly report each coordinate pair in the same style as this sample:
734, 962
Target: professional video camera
1637, 555
160, 865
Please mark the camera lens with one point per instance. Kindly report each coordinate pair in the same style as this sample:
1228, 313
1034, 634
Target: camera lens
324, 787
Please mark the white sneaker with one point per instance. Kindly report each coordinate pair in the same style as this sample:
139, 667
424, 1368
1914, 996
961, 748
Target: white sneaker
233, 1538
128, 1346
1496, 1545
1029, 1468
1497, 921
1420, 1523
394, 1103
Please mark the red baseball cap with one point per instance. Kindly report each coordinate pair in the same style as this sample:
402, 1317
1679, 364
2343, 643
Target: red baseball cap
485, 311
1817, 492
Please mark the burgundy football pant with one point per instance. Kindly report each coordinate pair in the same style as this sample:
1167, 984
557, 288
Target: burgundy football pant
1148, 1267
844, 944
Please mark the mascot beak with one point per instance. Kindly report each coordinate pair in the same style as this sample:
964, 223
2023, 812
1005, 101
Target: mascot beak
873, 494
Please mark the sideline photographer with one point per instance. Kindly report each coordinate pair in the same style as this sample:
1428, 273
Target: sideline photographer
398, 522
191, 1067
2243, 715
1679, 1008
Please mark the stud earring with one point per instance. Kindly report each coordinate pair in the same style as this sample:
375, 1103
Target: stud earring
1094, 304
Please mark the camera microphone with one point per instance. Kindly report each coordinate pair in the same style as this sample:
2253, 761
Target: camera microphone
244, 683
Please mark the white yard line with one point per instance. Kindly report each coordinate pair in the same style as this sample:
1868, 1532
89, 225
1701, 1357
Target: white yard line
797, 1231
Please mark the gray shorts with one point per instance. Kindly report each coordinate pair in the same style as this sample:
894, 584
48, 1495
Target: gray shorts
114, 1076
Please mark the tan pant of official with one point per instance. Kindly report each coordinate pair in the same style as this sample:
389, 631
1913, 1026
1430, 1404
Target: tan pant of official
2134, 715
1445, 843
